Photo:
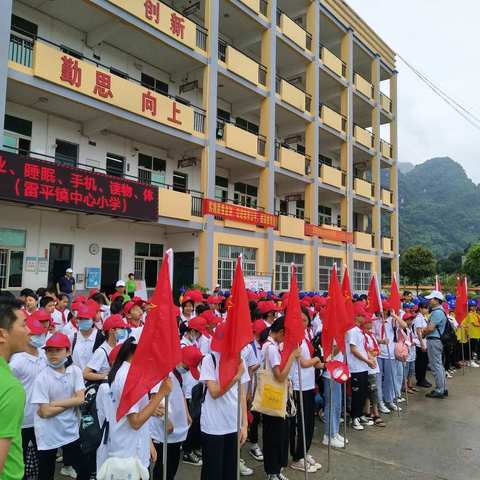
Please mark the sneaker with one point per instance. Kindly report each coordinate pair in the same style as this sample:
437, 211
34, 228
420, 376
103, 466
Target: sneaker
474, 364
434, 394
342, 439
448, 374
192, 459
60, 459
68, 472
313, 462
334, 442
366, 421
272, 477
300, 465
401, 400
393, 407
256, 452
383, 408
282, 476
356, 424
198, 453
244, 470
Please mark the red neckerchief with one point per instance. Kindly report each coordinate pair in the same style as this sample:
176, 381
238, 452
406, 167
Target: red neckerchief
375, 348
64, 320
308, 340
382, 330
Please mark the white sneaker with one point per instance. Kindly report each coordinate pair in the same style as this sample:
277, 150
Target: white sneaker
356, 425
300, 465
474, 364
383, 408
393, 407
68, 472
342, 439
60, 459
334, 443
401, 400
244, 470
313, 462
448, 375
256, 452
366, 421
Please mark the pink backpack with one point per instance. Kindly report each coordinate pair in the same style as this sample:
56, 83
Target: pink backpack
401, 349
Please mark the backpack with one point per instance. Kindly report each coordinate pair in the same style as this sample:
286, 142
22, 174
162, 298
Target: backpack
401, 349
91, 433
448, 337
199, 391
99, 339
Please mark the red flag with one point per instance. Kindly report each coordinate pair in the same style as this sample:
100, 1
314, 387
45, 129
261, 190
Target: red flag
294, 327
237, 330
336, 322
374, 303
461, 306
438, 285
395, 300
158, 351
347, 295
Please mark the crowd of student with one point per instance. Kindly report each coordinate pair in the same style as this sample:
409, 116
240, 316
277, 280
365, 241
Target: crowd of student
88, 345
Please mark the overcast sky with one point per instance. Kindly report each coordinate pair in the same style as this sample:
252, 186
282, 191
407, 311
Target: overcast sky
441, 40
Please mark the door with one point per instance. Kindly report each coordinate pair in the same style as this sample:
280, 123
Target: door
151, 272
110, 269
183, 266
61, 258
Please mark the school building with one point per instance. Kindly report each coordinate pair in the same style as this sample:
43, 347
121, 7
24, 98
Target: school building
215, 127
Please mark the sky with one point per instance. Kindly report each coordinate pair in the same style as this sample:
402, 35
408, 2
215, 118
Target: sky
440, 39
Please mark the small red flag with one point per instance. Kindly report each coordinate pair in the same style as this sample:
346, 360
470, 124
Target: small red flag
294, 327
347, 295
158, 351
461, 306
237, 330
374, 303
395, 300
336, 322
438, 285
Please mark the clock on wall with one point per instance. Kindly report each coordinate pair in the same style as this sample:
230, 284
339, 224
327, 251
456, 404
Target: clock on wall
93, 248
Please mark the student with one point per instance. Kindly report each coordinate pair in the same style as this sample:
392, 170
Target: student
131, 285
97, 368
218, 420
30, 302
194, 331
120, 289
187, 313
308, 364
60, 312
26, 366
134, 315
275, 429
421, 360
410, 336
57, 392
13, 339
204, 342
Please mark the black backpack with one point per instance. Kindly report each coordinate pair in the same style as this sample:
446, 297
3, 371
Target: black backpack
199, 391
99, 339
448, 337
91, 433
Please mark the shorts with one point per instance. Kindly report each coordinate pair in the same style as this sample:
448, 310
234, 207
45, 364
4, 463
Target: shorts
409, 369
372, 390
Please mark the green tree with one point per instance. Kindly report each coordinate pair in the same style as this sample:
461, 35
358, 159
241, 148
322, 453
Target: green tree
417, 263
472, 263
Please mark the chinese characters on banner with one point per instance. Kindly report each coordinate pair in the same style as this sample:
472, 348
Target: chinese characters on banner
328, 234
237, 213
37, 182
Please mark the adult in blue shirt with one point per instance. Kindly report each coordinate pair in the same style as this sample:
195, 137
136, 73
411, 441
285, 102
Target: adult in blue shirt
66, 284
436, 326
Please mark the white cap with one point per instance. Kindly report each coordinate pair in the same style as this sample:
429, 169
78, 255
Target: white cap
69, 270
436, 294
120, 283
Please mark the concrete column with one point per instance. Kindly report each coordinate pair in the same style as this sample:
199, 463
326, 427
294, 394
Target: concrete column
394, 176
5, 20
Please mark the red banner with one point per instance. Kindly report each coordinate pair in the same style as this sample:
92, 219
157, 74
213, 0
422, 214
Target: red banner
328, 234
237, 213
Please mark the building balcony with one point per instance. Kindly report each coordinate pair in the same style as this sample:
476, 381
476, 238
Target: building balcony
62, 66
364, 86
387, 245
332, 176
363, 240
364, 188
258, 6
293, 95
364, 137
333, 119
329, 233
292, 160
181, 205
332, 62
385, 103
293, 31
240, 140
387, 197
241, 64
386, 149
291, 226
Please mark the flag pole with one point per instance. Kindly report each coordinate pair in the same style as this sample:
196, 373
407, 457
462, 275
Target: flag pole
239, 415
330, 421
405, 382
165, 440
345, 416
463, 358
302, 418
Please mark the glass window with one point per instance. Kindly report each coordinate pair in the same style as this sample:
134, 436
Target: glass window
300, 208
10, 237
362, 271
142, 249
325, 268
11, 268
245, 195
151, 170
221, 189
66, 153
156, 250
17, 135
154, 84
283, 260
115, 165
148, 258
180, 182
23, 26
227, 258
324, 215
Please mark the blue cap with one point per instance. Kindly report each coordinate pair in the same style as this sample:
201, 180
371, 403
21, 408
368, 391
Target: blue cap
472, 303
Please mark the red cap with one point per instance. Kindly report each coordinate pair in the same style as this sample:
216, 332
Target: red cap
93, 305
214, 299
35, 327
385, 305
187, 298
191, 357
252, 295
218, 337
266, 307
195, 295
211, 318
198, 323
338, 371
79, 299
114, 321
258, 326
128, 306
115, 295
58, 340
92, 292
84, 311
359, 310
138, 301
112, 356
41, 315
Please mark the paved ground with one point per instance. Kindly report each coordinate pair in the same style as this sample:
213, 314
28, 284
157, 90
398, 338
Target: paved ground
432, 440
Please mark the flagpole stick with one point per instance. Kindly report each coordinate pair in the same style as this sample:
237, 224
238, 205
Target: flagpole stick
470, 350
406, 384
165, 440
239, 415
302, 418
345, 415
330, 421
463, 359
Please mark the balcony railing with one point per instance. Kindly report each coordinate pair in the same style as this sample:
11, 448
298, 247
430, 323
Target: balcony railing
201, 38
300, 215
21, 51
264, 7
363, 136
261, 140
387, 196
332, 175
298, 149
385, 103
364, 86
308, 35
289, 97
364, 187
386, 149
332, 62
332, 118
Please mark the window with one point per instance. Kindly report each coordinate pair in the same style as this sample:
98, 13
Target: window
12, 244
148, 258
283, 260
283, 207
118, 73
245, 195
322, 159
362, 272
227, 259
325, 268
24, 27
151, 170
246, 125
221, 189
324, 215
300, 208
66, 153
180, 182
154, 84
17, 136
223, 115
115, 165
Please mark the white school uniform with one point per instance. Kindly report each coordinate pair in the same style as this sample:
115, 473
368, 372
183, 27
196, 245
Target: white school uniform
355, 337
83, 349
219, 416
308, 374
384, 350
60, 320
204, 344
99, 360
26, 368
104, 405
51, 385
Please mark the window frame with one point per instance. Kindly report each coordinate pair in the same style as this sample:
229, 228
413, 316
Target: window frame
283, 261
227, 258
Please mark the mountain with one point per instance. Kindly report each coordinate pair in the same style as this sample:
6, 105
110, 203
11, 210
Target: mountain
439, 207
405, 167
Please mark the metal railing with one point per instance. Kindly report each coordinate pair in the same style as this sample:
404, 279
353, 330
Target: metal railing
322, 163
264, 7
261, 140
20, 50
308, 159
278, 89
261, 145
201, 38
372, 185
370, 134
344, 118
389, 147
344, 65
389, 192
372, 88
299, 215
308, 35
388, 100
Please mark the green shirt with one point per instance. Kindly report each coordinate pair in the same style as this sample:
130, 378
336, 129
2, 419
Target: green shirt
131, 286
12, 404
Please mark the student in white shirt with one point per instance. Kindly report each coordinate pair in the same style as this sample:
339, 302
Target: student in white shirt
60, 314
218, 420
26, 366
193, 332
187, 313
58, 391
411, 342
421, 361
97, 368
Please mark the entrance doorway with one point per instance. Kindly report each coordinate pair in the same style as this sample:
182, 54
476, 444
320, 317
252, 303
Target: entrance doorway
110, 269
183, 267
60, 258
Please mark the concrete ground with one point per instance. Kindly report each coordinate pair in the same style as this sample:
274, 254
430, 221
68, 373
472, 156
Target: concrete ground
432, 440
